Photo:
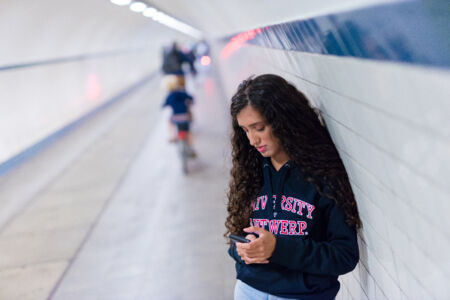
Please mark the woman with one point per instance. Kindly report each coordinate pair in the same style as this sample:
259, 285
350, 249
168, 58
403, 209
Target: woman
289, 195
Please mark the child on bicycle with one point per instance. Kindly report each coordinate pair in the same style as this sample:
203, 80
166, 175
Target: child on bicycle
180, 102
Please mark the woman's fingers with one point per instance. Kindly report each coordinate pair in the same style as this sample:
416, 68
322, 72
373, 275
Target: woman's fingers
248, 261
253, 260
251, 254
255, 229
250, 237
259, 249
254, 250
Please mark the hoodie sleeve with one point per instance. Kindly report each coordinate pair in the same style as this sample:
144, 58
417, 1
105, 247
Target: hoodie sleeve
337, 255
233, 253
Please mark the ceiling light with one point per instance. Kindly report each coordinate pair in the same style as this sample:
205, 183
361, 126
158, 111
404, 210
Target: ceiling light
150, 12
138, 6
178, 25
121, 2
158, 16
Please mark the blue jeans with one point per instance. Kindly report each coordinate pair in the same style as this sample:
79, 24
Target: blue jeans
243, 291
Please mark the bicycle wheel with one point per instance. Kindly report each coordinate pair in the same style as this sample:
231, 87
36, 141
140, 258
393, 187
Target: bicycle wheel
184, 153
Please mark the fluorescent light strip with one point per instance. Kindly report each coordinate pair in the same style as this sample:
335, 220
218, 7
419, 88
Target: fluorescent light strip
149, 12
159, 16
138, 6
171, 22
180, 26
121, 2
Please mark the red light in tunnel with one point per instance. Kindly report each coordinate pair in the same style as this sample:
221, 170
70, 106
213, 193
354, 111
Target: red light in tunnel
93, 88
205, 60
237, 41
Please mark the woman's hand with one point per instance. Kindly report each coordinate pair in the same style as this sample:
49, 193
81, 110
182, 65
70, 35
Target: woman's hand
259, 249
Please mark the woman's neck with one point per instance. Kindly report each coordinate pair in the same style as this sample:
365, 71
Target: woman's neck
279, 160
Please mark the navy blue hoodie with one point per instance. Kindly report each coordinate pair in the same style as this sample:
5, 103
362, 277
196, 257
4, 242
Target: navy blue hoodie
313, 246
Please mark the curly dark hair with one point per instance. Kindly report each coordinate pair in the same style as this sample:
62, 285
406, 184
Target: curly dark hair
302, 136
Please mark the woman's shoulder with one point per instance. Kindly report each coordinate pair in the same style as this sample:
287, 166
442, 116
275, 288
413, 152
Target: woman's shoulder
322, 198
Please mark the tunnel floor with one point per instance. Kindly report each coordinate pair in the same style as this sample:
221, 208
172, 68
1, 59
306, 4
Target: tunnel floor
105, 212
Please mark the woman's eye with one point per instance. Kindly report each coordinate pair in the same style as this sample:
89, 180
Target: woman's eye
260, 129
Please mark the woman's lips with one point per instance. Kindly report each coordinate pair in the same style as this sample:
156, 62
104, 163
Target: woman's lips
261, 149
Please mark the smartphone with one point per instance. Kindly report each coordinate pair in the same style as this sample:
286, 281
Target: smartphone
238, 238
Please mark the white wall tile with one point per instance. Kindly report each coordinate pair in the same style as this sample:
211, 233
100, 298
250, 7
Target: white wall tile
355, 289
407, 184
388, 87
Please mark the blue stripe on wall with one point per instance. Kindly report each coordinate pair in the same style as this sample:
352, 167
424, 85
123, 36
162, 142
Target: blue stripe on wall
34, 149
415, 32
66, 59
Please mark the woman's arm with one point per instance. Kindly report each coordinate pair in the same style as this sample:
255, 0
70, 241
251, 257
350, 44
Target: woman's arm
337, 255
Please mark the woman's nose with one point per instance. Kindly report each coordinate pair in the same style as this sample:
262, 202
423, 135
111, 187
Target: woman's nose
254, 140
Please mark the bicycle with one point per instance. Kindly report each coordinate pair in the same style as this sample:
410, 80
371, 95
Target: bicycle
184, 149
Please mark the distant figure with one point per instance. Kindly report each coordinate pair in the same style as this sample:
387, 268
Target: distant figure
180, 102
191, 56
289, 196
173, 60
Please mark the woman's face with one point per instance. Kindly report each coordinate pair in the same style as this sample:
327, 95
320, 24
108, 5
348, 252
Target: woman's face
259, 133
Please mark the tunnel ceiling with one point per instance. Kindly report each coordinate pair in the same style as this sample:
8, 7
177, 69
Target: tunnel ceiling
217, 18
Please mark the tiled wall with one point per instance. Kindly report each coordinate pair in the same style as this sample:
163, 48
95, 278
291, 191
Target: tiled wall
390, 121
